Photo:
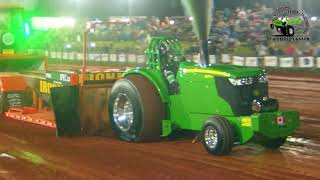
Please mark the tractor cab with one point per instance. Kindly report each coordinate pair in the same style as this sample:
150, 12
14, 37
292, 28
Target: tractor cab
169, 59
165, 54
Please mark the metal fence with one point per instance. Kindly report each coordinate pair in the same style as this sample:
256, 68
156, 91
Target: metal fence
267, 61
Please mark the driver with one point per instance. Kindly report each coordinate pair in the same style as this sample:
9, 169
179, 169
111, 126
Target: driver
169, 65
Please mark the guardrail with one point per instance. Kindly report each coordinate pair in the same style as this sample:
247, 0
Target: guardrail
267, 61
97, 57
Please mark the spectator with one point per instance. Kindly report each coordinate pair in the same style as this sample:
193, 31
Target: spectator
261, 49
308, 50
233, 28
317, 51
290, 50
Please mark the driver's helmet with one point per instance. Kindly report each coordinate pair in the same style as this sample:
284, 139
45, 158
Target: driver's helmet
172, 56
163, 49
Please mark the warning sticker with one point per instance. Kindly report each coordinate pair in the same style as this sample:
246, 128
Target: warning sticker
246, 122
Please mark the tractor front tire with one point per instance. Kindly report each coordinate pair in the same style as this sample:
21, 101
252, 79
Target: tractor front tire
290, 31
274, 143
136, 110
217, 136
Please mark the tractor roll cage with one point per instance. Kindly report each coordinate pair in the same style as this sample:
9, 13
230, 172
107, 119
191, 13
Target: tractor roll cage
153, 51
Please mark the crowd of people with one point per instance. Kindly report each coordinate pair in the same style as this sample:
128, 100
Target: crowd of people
237, 31
247, 31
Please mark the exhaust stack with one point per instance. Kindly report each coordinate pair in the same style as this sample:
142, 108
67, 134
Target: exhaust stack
201, 11
204, 52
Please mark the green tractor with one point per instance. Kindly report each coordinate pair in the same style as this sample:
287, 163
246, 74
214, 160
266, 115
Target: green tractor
285, 27
228, 105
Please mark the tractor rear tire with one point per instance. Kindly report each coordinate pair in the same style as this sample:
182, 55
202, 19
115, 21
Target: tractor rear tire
146, 109
274, 143
278, 28
272, 26
217, 136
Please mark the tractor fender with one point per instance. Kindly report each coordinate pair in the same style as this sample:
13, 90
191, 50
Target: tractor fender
155, 77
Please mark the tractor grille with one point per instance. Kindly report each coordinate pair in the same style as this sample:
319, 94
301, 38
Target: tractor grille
240, 98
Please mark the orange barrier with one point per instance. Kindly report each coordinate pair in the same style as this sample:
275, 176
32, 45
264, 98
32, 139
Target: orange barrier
11, 82
31, 115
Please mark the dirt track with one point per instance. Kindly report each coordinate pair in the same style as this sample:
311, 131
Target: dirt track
38, 154
42, 156
302, 94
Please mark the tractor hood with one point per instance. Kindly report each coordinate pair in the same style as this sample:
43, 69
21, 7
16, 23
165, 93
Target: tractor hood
222, 70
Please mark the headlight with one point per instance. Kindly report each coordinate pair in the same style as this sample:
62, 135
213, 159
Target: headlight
263, 78
241, 81
265, 105
256, 106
